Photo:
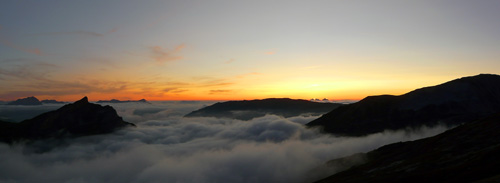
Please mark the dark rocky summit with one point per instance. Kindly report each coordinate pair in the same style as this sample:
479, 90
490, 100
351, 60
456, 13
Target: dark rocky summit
452, 103
72, 120
115, 101
468, 153
248, 109
26, 101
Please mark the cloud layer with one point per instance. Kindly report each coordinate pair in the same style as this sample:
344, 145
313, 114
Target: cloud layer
168, 148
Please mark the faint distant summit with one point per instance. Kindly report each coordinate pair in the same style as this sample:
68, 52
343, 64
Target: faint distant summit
115, 101
51, 101
26, 101
318, 100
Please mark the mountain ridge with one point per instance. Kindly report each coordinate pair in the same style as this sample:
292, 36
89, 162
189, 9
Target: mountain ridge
249, 109
451, 103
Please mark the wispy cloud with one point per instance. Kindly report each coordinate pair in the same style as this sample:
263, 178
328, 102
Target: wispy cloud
175, 90
216, 84
72, 33
62, 88
27, 77
230, 61
248, 74
213, 92
83, 33
113, 30
270, 52
162, 55
12, 45
25, 69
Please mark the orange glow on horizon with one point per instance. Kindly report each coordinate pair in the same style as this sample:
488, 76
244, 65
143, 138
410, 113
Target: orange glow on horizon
243, 87
306, 95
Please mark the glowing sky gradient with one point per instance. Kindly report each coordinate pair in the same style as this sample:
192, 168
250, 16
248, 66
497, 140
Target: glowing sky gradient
231, 50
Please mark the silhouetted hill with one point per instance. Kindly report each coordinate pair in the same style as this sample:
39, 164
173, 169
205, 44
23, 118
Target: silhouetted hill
119, 101
467, 153
451, 103
72, 120
51, 102
248, 109
26, 101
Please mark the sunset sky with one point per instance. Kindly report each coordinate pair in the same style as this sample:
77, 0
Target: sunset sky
234, 50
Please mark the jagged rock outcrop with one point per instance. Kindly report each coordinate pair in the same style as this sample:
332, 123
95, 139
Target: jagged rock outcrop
248, 109
72, 120
451, 103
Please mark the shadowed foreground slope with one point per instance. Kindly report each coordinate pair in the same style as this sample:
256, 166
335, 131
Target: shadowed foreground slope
467, 153
72, 120
248, 109
452, 103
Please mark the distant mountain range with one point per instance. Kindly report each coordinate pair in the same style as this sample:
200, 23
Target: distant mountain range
468, 153
452, 103
33, 101
52, 102
249, 109
119, 101
72, 120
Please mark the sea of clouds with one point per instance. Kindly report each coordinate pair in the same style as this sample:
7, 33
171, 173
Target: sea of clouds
166, 147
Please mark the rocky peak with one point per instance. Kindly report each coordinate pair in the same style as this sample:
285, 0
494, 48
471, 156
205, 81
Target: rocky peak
80, 118
83, 100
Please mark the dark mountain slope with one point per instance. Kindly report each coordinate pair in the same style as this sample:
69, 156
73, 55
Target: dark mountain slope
451, 103
72, 120
467, 153
248, 109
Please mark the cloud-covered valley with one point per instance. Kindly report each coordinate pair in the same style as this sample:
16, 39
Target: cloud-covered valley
165, 147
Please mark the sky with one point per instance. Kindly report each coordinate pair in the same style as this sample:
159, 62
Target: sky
235, 50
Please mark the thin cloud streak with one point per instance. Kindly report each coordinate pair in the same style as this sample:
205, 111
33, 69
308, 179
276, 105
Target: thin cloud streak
9, 44
270, 53
84, 33
75, 33
25, 69
162, 55
214, 92
230, 61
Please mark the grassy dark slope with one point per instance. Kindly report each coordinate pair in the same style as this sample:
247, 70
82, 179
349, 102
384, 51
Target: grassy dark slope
467, 153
